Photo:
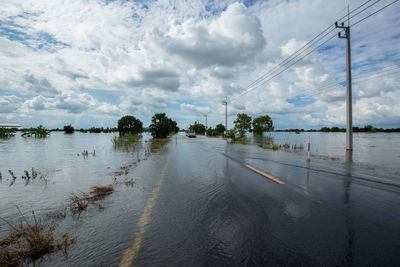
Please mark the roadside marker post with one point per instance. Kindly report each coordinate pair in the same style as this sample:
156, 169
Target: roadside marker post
308, 151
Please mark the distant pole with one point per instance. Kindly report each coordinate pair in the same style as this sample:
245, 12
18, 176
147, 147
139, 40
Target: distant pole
349, 108
226, 113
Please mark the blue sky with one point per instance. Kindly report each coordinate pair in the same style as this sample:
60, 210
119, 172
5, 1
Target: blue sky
87, 63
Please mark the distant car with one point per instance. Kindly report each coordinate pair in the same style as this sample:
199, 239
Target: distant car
190, 134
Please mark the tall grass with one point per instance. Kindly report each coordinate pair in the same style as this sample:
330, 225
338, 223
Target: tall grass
39, 132
6, 133
30, 241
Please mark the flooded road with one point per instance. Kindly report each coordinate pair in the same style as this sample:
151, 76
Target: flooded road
213, 211
195, 203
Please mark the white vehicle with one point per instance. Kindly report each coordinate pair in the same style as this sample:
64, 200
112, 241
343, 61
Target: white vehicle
190, 134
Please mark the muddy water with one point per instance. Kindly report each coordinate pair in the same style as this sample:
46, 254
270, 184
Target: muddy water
210, 210
60, 159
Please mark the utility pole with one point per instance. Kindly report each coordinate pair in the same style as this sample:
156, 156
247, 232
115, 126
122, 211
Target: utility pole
349, 108
226, 113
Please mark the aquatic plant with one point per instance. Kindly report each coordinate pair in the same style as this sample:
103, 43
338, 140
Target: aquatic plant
30, 241
125, 141
126, 182
79, 202
156, 143
100, 192
39, 132
28, 176
6, 133
13, 176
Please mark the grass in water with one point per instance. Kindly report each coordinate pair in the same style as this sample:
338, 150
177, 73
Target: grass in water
156, 143
80, 202
6, 133
30, 241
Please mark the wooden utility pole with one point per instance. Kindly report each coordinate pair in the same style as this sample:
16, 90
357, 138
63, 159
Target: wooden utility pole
349, 108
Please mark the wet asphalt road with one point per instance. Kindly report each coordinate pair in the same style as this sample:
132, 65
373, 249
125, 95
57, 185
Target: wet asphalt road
210, 210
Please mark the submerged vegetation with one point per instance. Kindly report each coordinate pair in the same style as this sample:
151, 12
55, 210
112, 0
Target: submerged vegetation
28, 176
31, 241
6, 133
79, 202
39, 132
125, 141
156, 143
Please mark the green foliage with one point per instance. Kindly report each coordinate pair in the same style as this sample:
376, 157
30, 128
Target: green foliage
232, 134
242, 124
198, 128
6, 133
173, 126
39, 132
125, 141
325, 129
68, 129
262, 124
220, 128
212, 132
161, 126
129, 124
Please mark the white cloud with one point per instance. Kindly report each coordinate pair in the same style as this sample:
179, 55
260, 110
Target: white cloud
60, 57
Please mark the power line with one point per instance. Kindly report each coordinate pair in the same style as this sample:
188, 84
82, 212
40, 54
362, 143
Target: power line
374, 12
284, 65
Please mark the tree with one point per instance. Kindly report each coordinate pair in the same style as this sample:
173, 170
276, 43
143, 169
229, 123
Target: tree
173, 126
198, 128
129, 124
220, 129
262, 124
242, 123
68, 129
160, 126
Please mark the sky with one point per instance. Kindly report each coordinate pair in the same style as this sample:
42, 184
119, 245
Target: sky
90, 62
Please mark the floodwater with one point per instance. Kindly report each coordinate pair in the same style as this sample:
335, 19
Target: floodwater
210, 210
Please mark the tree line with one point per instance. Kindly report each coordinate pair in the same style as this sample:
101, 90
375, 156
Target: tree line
243, 123
365, 129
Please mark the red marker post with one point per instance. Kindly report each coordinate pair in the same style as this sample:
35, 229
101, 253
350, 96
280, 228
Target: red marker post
308, 152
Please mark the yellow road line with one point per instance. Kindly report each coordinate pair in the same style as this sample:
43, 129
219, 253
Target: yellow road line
264, 174
131, 253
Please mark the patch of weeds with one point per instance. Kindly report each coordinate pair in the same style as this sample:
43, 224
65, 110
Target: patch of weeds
39, 132
80, 202
28, 176
31, 241
127, 182
156, 143
125, 142
58, 214
100, 192
6, 133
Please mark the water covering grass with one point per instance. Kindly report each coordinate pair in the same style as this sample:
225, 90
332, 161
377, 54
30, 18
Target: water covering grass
39, 132
80, 202
31, 241
156, 143
28, 176
6, 133
124, 140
